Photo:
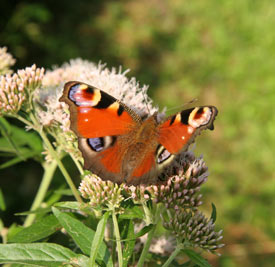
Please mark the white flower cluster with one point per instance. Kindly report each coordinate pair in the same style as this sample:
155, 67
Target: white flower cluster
6, 61
15, 89
113, 82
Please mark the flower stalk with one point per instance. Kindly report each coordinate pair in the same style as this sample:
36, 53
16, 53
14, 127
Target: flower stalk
146, 247
148, 215
49, 169
149, 237
175, 253
118, 239
61, 166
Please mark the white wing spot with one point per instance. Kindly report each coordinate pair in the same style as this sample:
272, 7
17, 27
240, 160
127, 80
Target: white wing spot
183, 137
190, 129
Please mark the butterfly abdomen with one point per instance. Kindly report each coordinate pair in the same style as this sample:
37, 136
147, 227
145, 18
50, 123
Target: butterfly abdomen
140, 153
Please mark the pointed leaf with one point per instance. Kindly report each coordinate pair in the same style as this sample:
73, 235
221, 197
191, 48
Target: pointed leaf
4, 126
128, 234
2, 201
82, 235
214, 213
40, 254
196, 258
37, 211
74, 205
132, 213
98, 238
144, 230
37, 231
5, 129
24, 137
14, 229
17, 137
64, 192
28, 154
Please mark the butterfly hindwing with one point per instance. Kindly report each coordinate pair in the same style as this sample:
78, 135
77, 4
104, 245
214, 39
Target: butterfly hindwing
106, 163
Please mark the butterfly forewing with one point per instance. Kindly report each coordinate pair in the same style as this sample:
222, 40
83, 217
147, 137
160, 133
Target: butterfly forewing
177, 132
95, 113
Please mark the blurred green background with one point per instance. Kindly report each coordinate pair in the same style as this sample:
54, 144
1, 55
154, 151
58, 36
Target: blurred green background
220, 52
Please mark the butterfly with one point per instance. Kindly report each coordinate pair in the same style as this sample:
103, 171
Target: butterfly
118, 145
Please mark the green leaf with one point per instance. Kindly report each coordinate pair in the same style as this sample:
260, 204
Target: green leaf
196, 258
14, 229
37, 231
2, 201
53, 197
18, 142
37, 211
23, 137
214, 213
132, 213
5, 129
4, 126
82, 235
40, 254
129, 245
17, 137
27, 154
1, 225
144, 230
64, 192
74, 205
98, 238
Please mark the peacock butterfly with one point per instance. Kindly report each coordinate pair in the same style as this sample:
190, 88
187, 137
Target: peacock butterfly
118, 145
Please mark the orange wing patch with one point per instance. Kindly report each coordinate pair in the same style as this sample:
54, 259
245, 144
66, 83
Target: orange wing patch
174, 138
112, 159
95, 113
180, 130
92, 122
145, 166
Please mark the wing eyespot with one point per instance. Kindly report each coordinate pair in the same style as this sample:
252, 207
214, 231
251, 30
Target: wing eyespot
163, 155
83, 95
98, 144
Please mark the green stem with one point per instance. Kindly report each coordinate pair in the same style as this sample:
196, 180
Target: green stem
148, 215
35, 125
20, 118
55, 156
61, 167
113, 248
173, 255
146, 247
150, 234
49, 169
118, 242
78, 165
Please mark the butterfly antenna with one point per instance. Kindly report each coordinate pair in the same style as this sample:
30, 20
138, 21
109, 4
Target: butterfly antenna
181, 106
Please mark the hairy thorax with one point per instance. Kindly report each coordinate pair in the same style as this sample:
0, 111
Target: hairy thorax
138, 143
